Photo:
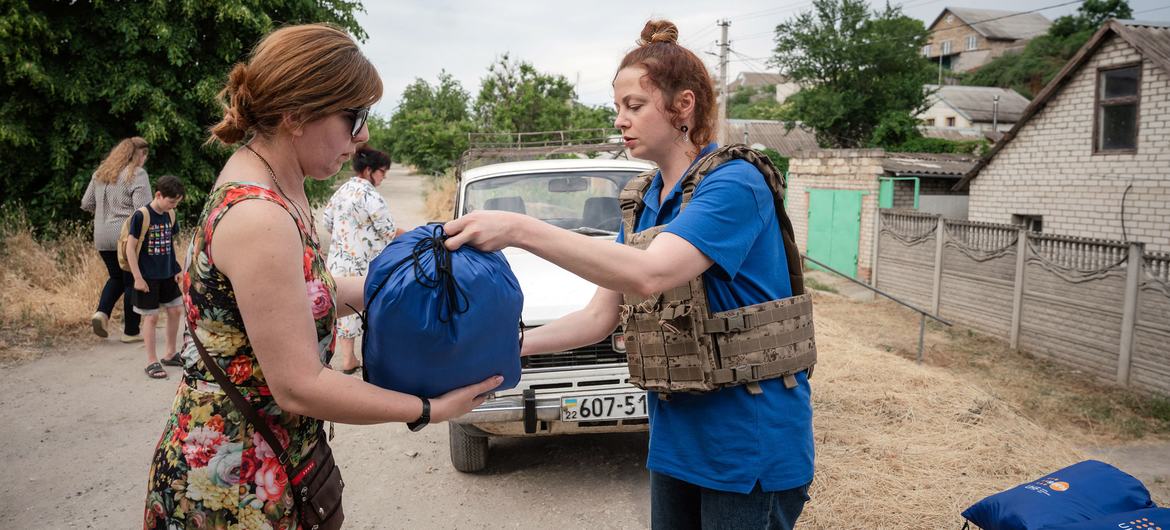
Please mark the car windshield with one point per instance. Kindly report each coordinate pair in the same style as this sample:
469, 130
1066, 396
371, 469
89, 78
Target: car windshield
583, 201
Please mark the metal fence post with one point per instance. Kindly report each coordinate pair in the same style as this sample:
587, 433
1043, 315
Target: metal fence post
940, 235
1018, 293
877, 237
1133, 277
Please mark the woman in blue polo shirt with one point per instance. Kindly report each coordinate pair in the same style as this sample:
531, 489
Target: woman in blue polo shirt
722, 459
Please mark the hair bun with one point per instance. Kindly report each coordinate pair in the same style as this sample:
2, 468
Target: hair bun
658, 31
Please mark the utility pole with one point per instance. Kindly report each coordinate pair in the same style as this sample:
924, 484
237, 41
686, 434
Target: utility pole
724, 47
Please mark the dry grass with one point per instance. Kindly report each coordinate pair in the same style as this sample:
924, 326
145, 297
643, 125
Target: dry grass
47, 288
1080, 405
906, 446
439, 198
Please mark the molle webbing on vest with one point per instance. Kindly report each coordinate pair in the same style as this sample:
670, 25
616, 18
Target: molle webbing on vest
674, 343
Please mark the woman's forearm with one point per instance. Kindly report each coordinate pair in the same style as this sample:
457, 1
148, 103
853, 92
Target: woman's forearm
589, 325
669, 261
333, 396
350, 294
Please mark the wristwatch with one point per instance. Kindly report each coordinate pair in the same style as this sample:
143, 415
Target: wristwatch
423, 419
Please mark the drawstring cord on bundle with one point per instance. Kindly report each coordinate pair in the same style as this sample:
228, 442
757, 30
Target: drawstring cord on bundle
454, 299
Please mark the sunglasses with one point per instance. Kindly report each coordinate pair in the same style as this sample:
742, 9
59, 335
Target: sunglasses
359, 120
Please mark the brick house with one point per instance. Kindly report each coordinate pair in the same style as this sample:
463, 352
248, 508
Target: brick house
784, 86
834, 196
964, 39
1091, 155
978, 109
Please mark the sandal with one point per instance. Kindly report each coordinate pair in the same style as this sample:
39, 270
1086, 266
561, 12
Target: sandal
156, 371
174, 360
351, 371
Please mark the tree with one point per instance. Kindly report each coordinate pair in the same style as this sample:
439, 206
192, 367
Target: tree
515, 97
754, 103
899, 132
429, 128
1028, 71
79, 76
857, 67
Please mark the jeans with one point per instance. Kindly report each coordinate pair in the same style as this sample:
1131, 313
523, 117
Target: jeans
120, 283
675, 505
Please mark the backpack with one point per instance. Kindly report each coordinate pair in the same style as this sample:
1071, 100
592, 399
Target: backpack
124, 234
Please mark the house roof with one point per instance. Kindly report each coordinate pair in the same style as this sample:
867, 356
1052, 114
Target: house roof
1150, 39
760, 79
977, 103
927, 164
773, 134
999, 25
949, 133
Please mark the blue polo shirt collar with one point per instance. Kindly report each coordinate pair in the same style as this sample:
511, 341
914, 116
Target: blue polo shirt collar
652, 194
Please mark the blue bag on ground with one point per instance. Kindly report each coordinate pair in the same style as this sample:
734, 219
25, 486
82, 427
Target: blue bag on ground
1077, 493
1149, 519
438, 320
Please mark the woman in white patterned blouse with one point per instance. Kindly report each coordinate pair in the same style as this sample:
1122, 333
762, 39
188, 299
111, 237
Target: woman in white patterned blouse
360, 225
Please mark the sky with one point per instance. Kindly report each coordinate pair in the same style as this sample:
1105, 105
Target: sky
584, 41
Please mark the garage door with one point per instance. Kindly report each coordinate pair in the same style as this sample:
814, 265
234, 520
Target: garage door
834, 228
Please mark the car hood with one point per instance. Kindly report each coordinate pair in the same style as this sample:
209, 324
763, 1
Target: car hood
550, 292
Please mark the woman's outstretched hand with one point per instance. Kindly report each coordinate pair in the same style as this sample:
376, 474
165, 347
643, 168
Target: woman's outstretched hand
462, 400
485, 230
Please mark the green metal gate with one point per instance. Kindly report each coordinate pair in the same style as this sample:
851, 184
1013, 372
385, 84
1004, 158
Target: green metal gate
834, 228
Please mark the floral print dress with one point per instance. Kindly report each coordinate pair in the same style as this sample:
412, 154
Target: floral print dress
360, 225
211, 468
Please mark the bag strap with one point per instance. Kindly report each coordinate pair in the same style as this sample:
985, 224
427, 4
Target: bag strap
242, 404
145, 225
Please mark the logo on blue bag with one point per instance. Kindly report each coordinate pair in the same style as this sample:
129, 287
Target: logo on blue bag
1139, 524
1045, 485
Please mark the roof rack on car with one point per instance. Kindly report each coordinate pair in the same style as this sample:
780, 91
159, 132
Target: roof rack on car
487, 148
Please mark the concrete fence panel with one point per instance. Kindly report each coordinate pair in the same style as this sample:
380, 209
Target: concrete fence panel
1151, 355
1074, 294
906, 261
979, 275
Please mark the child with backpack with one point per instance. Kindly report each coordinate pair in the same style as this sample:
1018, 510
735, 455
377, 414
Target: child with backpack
150, 253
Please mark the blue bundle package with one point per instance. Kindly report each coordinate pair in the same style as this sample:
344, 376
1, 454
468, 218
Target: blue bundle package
1077, 493
437, 320
1149, 519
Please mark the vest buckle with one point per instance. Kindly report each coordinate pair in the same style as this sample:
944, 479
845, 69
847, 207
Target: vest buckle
744, 374
736, 323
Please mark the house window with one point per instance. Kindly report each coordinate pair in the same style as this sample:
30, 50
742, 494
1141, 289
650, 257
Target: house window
929, 122
950, 121
926, 51
1034, 223
946, 47
1118, 95
972, 42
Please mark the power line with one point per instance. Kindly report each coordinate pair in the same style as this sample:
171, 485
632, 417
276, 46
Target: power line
763, 69
1151, 10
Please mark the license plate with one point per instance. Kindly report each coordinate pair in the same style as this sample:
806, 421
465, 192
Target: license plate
603, 407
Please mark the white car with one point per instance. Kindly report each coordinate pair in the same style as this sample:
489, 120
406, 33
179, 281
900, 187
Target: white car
578, 391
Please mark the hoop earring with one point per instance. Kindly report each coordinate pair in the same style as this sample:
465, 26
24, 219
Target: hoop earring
684, 128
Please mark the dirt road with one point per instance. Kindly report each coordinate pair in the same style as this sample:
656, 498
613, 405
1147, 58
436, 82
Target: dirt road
77, 431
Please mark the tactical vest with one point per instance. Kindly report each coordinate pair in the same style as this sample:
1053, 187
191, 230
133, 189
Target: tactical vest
674, 342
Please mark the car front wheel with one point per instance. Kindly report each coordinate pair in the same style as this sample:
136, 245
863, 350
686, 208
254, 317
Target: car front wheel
468, 452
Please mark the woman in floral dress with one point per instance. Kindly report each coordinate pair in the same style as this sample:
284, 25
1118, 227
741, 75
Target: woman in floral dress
360, 223
260, 299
